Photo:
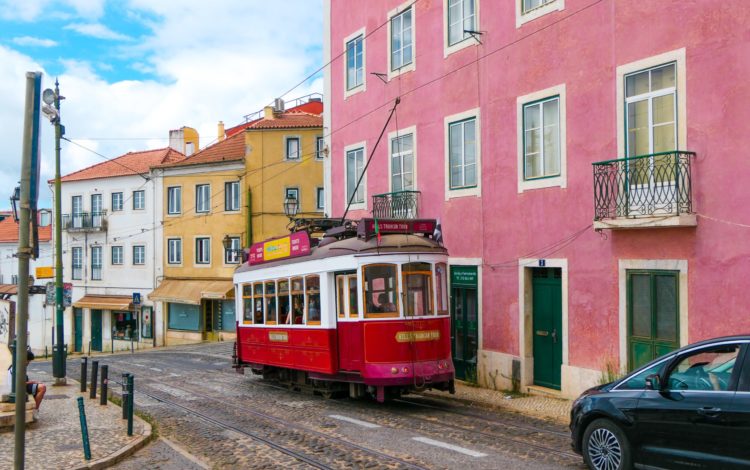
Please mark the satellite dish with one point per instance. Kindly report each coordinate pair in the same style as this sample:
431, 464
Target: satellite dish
48, 96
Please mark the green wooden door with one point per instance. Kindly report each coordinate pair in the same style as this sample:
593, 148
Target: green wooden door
547, 326
653, 315
96, 330
464, 321
78, 329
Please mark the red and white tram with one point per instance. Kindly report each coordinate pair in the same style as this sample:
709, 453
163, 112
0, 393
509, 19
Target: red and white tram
355, 313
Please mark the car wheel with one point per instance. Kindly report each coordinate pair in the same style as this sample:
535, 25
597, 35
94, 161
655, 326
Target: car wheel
605, 446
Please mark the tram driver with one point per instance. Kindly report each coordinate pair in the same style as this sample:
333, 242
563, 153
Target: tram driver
385, 304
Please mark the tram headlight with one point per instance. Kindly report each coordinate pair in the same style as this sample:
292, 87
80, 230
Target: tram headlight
394, 370
405, 370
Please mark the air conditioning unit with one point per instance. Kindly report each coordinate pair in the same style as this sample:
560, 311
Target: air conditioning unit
278, 105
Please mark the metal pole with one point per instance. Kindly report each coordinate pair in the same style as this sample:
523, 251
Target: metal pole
125, 395
131, 404
58, 361
94, 374
13, 376
84, 366
105, 380
84, 429
33, 81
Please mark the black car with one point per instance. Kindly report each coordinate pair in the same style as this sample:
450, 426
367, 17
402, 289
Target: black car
687, 409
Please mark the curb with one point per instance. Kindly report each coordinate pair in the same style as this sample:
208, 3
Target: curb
124, 452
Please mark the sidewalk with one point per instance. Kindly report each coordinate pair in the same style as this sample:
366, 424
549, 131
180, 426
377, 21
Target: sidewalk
553, 409
54, 440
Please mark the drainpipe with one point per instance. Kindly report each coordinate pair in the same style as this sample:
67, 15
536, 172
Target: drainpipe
249, 217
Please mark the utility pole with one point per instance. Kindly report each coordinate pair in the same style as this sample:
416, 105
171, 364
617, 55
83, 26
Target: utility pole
31, 122
51, 97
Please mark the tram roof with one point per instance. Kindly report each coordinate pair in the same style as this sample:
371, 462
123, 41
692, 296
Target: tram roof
389, 244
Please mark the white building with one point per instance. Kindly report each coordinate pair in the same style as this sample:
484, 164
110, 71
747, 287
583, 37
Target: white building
111, 221
40, 316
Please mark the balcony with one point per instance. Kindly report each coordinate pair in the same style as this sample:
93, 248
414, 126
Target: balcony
397, 205
646, 191
85, 222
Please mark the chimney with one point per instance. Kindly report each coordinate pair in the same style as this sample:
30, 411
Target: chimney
268, 112
221, 131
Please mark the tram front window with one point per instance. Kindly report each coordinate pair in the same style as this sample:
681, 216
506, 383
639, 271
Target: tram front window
441, 284
298, 301
418, 287
258, 303
283, 301
270, 303
381, 291
247, 303
312, 286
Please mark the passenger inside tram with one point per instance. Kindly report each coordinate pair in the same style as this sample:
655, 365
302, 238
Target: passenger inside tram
385, 305
297, 310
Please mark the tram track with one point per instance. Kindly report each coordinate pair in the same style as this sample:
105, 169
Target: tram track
284, 424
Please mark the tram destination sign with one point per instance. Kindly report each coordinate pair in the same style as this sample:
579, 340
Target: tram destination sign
290, 246
366, 227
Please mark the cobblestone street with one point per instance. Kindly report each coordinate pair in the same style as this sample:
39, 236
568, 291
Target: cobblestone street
225, 420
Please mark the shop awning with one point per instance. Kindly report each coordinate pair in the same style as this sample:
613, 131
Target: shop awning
191, 291
10, 289
104, 302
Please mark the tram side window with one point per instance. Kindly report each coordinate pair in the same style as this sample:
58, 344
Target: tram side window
258, 303
353, 302
441, 284
270, 303
346, 295
247, 304
418, 287
283, 300
341, 296
312, 287
381, 290
298, 300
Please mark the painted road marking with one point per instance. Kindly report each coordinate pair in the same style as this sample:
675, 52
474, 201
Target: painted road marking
364, 424
156, 369
445, 445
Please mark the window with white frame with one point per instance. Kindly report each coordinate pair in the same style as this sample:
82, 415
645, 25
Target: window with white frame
77, 262
355, 70
174, 200
402, 163
117, 256
232, 196
462, 16
402, 40
528, 5
202, 197
232, 255
541, 138
174, 251
139, 200
355, 163
320, 146
462, 153
293, 193
320, 196
116, 201
139, 254
203, 250
292, 148
651, 110
96, 263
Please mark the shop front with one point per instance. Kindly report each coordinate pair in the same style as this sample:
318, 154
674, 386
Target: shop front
111, 323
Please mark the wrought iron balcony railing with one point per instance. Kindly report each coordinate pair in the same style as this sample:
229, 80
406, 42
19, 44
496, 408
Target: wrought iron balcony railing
653, 185
396, 205
85, 221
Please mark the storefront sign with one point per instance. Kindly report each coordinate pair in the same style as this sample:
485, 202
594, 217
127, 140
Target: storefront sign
278, 336
464, 276
45, 272
290, 246
417, 336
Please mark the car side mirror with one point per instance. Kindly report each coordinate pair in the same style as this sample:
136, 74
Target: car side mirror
653, 382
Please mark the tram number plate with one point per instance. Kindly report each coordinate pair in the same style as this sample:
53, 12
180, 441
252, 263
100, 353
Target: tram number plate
414, 336
278, 336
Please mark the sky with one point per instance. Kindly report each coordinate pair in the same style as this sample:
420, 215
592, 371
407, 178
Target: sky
131, 70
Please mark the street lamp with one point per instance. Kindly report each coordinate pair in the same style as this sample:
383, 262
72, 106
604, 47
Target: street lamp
291, 206
238, 252
14, 202
51, 109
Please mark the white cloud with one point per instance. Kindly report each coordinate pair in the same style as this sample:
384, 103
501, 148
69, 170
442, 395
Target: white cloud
29, 10
34, 42
96, 30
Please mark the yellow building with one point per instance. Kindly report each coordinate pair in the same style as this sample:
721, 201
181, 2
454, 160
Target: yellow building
205, 198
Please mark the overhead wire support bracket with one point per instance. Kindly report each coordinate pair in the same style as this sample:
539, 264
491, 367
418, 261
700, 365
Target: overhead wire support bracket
474, 34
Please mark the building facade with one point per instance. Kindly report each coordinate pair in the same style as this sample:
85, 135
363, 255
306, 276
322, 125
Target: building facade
111, 226
564, 146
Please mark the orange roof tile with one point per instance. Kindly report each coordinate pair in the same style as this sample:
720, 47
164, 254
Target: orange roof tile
9, 231
228, 150
132, 163
288, 121
312, 108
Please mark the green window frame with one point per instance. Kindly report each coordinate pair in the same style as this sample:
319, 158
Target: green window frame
462, 153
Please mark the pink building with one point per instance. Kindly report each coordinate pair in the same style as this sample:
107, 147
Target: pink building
515, 118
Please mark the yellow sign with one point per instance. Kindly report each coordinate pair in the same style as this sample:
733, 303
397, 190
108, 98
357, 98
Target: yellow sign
417, 336
276, 249
278, 336
45, 272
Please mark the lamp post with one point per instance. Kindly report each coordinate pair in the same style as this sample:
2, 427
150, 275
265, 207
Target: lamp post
52, 98
290, 207
227, 243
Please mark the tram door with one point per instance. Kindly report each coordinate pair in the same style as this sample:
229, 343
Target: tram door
348, 326
464, 321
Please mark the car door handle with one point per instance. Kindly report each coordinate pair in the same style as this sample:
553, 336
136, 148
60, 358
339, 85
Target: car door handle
709, 411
